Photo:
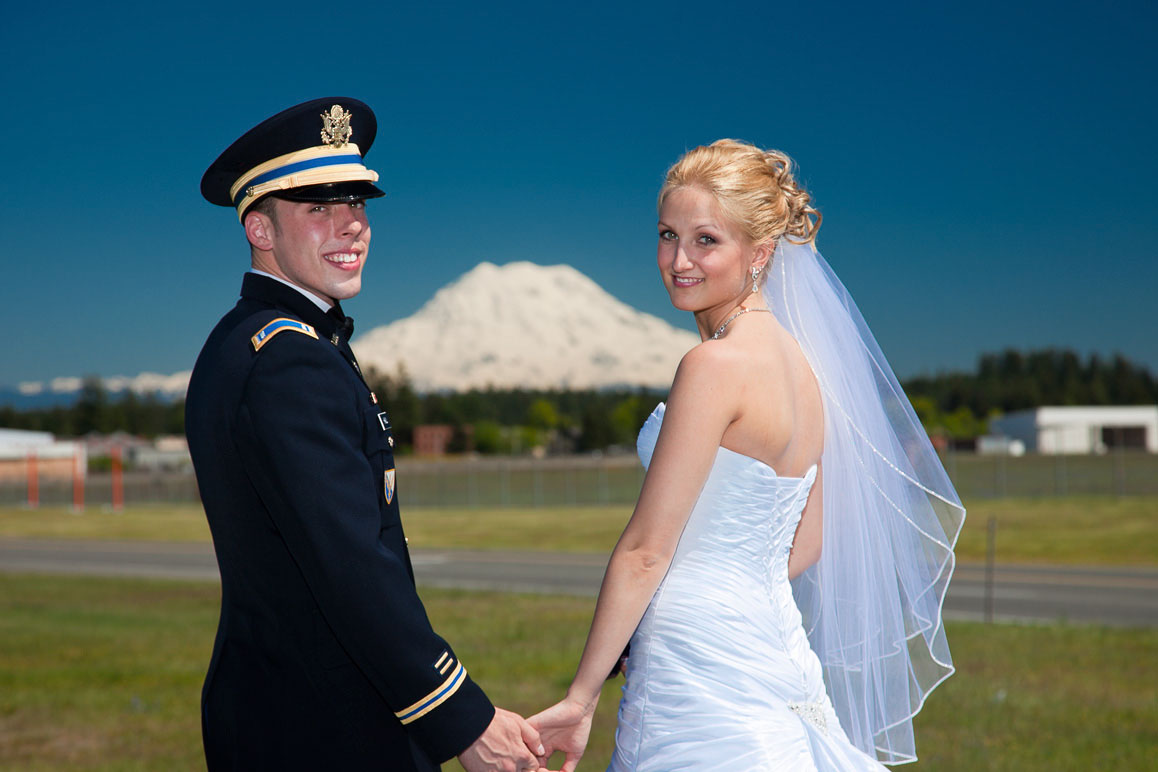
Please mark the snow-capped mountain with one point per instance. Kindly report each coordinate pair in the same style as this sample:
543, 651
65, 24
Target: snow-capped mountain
145, 383
516, 325
66, 389
529, 326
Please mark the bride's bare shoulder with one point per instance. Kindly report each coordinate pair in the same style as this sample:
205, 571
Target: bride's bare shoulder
712, 370
710, 358
704, 398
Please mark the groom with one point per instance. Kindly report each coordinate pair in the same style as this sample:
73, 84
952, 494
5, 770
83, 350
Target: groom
324, 657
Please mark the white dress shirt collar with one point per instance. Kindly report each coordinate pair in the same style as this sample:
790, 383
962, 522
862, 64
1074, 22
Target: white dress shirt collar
317, 301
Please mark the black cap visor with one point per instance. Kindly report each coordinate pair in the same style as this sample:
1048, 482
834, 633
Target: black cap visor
354, 190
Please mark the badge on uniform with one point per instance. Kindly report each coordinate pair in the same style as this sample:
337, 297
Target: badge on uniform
267, 333
384, 421
388, 486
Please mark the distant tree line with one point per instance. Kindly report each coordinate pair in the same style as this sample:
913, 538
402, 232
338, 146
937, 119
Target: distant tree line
959, 404
95, 410
515, 420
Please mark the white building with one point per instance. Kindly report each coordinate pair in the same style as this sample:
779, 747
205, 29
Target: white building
1092, 429
168, 453
53, 458
20, 441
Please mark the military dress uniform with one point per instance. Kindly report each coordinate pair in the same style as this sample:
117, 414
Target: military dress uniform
324, 656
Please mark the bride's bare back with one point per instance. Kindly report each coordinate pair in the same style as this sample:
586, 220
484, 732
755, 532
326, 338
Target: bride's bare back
776, 411
781, 421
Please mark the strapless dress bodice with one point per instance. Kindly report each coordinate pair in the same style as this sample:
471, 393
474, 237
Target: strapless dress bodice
721, 675
746, 513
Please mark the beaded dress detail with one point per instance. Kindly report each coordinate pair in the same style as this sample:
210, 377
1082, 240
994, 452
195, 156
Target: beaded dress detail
721, 675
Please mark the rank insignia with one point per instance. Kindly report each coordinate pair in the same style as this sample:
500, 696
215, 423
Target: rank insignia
266, 333
336, 129
389, 485
444, 663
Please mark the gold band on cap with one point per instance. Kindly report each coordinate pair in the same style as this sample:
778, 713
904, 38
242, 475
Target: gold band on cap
311, 166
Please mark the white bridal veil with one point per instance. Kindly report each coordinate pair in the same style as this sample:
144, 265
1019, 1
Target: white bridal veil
872, 603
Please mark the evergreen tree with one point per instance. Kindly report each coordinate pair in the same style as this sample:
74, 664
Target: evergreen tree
92, 413
952, 404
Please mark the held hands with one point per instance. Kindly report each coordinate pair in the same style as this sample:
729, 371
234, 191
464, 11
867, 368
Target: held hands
509, 744
565, 727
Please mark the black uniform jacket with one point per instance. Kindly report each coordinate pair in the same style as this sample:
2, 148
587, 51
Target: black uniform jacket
324, 656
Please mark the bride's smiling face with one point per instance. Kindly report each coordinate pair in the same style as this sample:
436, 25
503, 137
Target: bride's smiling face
705, 260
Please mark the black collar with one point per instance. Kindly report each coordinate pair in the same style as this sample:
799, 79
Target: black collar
272, 291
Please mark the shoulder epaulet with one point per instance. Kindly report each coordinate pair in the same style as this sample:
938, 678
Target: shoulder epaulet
266, 333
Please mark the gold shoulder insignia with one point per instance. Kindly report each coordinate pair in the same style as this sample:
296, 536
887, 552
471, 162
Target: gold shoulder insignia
266, 333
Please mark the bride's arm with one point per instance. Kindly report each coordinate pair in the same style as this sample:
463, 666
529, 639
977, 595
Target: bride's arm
703, 402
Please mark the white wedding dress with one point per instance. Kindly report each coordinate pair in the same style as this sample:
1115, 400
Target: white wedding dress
721, 675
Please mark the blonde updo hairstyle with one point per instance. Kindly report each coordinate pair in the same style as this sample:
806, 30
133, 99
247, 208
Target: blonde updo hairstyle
754, 188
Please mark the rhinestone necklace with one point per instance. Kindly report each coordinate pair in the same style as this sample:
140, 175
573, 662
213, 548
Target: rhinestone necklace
733, 317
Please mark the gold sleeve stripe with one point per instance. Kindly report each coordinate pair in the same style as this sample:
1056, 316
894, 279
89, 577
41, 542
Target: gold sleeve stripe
442, 670
442, 659
435, 698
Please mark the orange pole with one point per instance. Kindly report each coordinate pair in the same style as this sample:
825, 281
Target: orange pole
77, 484
33, 482
118, 480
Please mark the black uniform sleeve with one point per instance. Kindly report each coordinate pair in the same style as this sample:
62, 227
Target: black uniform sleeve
303, 439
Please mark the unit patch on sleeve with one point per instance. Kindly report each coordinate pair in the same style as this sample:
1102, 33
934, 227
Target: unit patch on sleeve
267, 333
389, 485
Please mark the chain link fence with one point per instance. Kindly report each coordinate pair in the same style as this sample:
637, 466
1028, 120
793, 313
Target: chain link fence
594, 481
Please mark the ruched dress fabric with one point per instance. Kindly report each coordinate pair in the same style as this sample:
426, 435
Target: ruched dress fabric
721, 675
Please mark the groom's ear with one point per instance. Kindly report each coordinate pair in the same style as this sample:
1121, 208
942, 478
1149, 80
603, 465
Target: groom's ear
259, 230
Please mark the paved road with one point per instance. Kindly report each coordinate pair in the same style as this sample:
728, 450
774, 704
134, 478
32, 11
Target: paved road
1116, 596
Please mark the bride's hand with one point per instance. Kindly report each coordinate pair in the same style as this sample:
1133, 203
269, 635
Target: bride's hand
565, 727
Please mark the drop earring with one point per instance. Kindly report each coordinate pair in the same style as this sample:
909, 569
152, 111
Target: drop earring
755, 276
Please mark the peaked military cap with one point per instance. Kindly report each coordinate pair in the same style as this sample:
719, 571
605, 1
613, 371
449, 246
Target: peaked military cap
310, 152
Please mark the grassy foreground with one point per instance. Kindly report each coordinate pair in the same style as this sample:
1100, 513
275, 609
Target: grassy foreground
104, 674
147, 522
1076, 530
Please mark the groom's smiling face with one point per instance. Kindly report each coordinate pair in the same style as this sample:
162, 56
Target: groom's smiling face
320, 247
704, 258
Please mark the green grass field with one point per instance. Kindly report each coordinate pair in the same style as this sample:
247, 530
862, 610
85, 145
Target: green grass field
104, 674
149, 522
1075, 530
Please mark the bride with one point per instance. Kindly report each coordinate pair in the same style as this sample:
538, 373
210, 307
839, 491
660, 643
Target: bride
781, 578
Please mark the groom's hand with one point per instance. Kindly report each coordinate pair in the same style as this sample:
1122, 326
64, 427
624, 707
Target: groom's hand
509, 744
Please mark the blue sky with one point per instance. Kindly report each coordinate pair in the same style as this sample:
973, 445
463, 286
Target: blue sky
986, 170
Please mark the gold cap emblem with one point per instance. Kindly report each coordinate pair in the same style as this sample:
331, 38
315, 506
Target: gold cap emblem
336, 129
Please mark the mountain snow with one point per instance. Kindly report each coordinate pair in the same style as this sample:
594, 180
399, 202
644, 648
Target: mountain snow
176, 384
516, 325
530, 326
173, 385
